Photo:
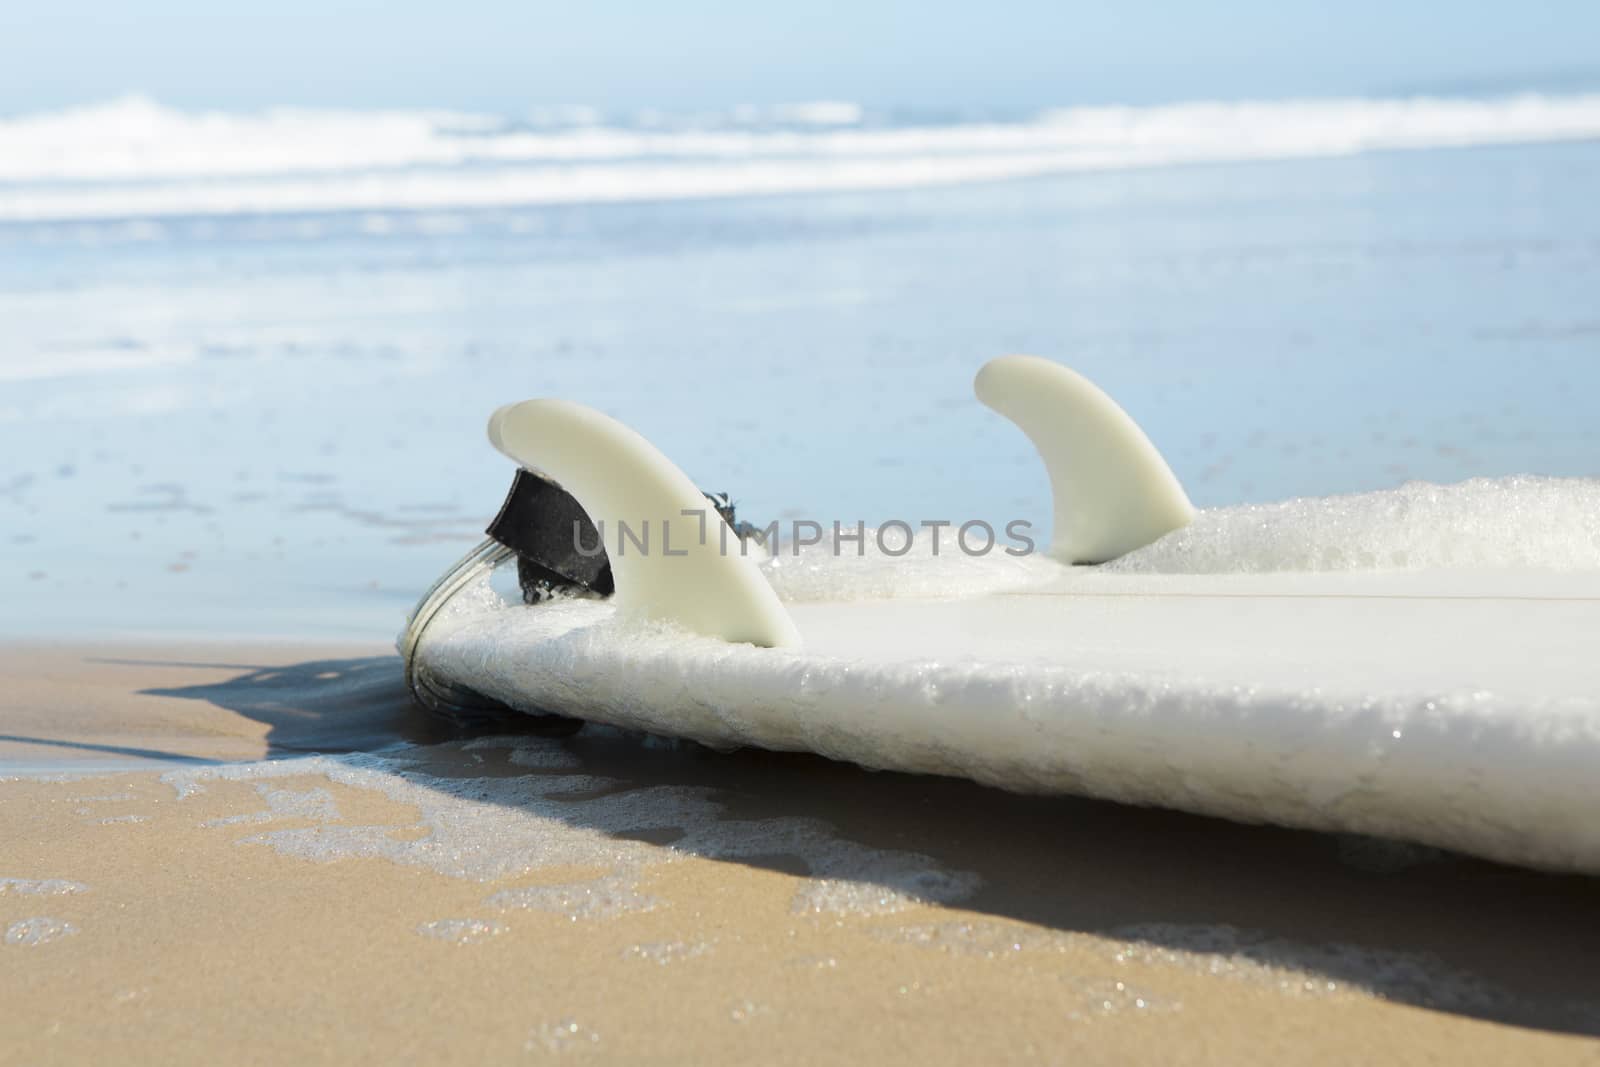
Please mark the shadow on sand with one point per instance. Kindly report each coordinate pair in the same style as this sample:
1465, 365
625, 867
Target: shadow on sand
1280, 897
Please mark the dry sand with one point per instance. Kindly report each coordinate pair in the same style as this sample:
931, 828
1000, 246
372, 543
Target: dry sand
505, 899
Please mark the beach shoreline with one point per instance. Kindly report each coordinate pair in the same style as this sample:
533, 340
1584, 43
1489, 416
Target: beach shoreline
264, 847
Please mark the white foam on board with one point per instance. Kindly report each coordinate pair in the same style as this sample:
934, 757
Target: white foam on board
929, 565
1434, 681
1521, 522
1516, 522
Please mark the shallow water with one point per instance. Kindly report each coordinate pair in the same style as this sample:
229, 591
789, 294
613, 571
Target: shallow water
612, 853
274, 424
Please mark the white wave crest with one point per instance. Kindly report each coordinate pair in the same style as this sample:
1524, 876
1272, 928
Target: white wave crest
135, 158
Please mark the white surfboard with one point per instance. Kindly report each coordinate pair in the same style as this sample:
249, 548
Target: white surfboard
1421, 664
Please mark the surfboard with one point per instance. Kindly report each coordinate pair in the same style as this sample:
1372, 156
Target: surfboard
1421, 664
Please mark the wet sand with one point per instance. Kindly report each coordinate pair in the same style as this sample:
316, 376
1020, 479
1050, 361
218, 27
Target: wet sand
424, 892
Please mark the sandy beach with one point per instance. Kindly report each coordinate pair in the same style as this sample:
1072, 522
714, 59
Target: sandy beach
263, 853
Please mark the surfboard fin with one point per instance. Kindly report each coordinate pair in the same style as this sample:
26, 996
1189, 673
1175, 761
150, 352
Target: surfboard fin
670, 558
1112, 491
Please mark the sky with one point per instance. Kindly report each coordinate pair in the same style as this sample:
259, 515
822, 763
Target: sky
683, 55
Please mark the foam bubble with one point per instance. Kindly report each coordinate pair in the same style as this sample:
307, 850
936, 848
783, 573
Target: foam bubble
462, 931
565, 1035
880, 884
664, 952
1214, 950
931, 566
315, 804
1097, 997
1306, 970
1516, 522
41, 887
600, 898
28, 933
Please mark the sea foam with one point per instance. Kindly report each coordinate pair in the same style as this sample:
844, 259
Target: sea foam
40, 930
516, 825
134, 158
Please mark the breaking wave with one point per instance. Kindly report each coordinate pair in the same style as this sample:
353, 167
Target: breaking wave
135, 158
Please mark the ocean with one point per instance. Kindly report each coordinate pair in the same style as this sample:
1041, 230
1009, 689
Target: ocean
247, 359
246, 365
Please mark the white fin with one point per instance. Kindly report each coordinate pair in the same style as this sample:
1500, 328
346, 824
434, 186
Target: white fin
704, 583
1112, 491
